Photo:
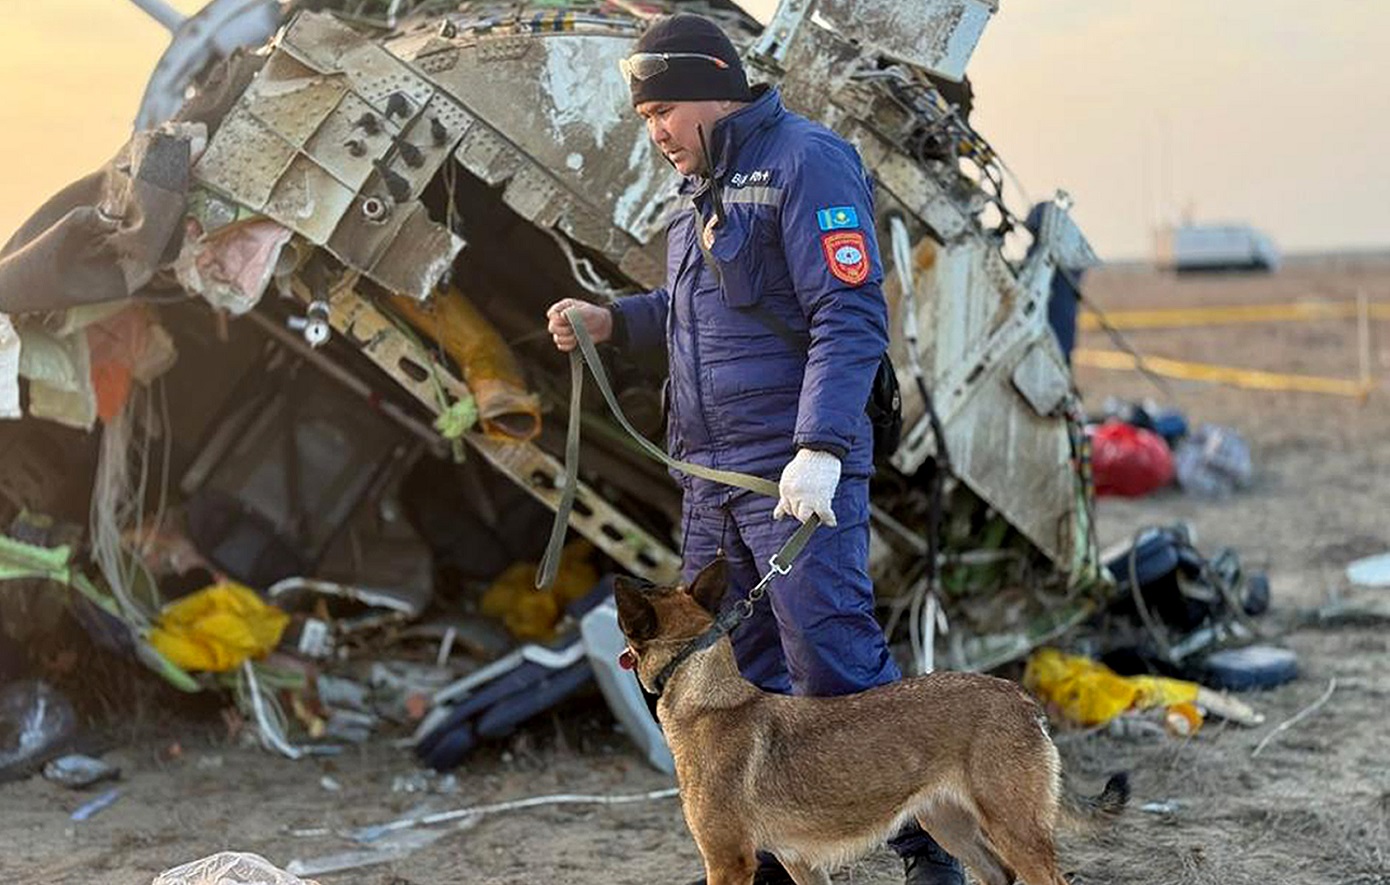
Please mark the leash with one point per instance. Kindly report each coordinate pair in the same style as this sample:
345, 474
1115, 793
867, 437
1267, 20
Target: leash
587, 354
780, 563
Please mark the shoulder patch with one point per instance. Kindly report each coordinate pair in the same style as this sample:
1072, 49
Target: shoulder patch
837, 218
847, 255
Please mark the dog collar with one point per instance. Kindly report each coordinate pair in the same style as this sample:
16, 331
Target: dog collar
723, 626
779, 564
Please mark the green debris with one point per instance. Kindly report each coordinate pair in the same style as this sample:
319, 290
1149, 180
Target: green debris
457, 418
21, 561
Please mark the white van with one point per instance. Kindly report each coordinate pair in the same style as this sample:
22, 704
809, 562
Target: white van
1210, 247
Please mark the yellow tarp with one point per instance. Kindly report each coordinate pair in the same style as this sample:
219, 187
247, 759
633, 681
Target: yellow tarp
217, 628
532, 614
1085, 692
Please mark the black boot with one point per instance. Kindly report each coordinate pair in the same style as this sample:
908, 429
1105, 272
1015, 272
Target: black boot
769, 872
931, 865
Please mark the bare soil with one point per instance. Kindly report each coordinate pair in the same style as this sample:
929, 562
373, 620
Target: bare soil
1313, 807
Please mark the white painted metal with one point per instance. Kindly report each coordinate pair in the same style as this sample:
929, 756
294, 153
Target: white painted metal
163, 13
211, 33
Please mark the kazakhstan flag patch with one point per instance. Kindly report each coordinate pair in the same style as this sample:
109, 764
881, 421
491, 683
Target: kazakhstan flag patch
837, 218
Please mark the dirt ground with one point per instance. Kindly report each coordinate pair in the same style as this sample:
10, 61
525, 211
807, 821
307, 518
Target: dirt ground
1313, 807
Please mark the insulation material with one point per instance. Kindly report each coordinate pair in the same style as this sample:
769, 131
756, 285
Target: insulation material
127, 348
506, 409
103, 237
9, 369
59, 369
83, 370
232, 266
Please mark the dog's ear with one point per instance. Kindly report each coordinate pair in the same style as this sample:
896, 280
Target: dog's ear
636, 615
709, 585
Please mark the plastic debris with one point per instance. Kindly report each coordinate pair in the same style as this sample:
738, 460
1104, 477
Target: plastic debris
229, 868
34, 720
425, 781
1373, 571
1129, 461
532, 615
1167, 806
76, 771
391, 848
1084, 692
218, 628
94, 807
1213, 461
1251, 667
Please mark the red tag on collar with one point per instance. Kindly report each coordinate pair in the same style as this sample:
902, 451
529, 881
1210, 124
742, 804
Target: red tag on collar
847, 255
628, 659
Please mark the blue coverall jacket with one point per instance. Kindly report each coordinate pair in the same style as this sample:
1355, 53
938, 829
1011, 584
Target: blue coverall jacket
796, 252
773, 341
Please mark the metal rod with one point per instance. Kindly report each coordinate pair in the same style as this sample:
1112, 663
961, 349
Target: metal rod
163, 13
348, 380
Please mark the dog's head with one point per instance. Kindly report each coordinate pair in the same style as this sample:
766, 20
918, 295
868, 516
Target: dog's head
657, 621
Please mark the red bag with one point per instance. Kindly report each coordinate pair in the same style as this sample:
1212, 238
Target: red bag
1129, 461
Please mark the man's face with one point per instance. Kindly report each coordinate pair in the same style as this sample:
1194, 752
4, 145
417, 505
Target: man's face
674, 127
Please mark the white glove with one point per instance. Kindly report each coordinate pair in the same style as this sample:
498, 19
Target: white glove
808, 486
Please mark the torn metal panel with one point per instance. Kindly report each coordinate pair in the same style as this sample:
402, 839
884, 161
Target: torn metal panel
1042, 379
334, 121
568, 113
938, 35
309, 200
245, 159
417, 258
998, 387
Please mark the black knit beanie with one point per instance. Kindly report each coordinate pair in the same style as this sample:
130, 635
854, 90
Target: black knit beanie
690, 79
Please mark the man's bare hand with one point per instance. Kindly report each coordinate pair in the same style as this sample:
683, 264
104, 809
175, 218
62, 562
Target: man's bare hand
598, 322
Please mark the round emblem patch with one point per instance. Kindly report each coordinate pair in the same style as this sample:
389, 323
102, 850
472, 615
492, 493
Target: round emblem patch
846, 255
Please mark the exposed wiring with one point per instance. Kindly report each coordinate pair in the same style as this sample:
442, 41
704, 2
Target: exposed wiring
372, 833
584, 272
270, 717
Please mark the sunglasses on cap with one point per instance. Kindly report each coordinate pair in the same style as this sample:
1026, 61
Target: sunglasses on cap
645, 65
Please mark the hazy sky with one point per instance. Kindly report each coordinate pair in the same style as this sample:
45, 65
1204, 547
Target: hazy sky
1271, 111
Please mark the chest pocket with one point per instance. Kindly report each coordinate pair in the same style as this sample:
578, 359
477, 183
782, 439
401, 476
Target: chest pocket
737, 258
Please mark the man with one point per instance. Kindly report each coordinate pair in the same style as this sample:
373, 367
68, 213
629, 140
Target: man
775, 324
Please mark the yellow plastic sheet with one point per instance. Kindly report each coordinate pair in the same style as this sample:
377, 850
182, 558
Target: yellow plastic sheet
1085, 692
217, 628
531, 614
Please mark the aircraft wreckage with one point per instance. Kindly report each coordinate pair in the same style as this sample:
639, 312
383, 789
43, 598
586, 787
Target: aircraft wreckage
309, 293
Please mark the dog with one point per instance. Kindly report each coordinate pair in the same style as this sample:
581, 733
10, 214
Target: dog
821, 781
